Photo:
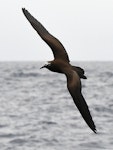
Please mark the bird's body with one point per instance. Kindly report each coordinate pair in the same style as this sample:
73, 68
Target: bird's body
61, 64
58, 66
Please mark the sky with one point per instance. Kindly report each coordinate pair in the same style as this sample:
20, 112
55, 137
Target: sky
85, 28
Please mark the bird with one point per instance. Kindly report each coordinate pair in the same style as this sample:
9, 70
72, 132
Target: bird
61, 64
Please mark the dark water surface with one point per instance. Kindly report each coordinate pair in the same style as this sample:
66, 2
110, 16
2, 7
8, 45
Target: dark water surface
37, 112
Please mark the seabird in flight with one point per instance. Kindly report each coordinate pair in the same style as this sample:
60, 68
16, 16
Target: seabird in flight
61, 64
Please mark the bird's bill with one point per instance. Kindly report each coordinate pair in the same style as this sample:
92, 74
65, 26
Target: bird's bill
42, 67
46, 64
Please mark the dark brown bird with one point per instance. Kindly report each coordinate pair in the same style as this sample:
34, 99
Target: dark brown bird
61, 64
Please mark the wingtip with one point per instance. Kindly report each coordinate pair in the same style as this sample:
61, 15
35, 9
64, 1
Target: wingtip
95, 130
24, 10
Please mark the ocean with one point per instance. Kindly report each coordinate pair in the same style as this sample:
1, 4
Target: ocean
38, 113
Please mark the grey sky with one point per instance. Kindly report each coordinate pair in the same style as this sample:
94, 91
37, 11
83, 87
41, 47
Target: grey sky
85, 28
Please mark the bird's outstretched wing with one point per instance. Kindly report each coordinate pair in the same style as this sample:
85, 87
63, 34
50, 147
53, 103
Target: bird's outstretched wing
58, 49
74, 87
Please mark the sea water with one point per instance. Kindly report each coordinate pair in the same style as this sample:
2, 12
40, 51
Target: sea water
38, 113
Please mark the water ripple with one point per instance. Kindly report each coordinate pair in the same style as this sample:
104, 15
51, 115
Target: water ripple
37, 112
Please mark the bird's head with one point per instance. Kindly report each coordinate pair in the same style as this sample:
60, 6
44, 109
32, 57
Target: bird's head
47, 65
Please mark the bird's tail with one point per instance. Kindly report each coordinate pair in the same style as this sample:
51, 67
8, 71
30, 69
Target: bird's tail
79, 71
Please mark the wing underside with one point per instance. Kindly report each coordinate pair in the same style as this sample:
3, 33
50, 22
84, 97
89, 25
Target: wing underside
74, 87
